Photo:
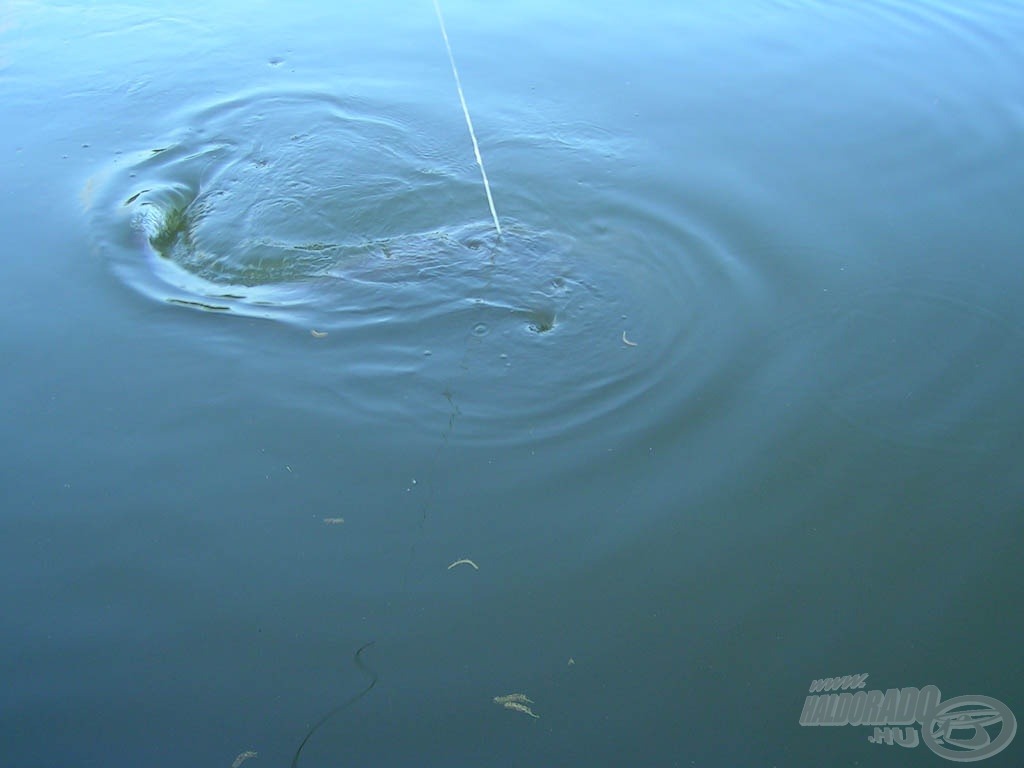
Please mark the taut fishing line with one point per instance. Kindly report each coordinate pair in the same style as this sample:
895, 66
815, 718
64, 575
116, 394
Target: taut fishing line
469, 121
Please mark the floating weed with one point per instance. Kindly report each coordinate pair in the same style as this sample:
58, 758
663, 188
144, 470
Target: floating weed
174, 226
519, 702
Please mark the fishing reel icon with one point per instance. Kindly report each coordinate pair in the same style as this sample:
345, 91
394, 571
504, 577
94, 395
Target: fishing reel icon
959, 729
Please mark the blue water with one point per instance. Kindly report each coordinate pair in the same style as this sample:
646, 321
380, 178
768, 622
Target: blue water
732, 404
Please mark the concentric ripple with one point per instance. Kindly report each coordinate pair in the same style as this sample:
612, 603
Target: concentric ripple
364, 220
853, 362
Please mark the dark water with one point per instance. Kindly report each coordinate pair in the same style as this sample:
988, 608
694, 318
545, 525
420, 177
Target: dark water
733, 404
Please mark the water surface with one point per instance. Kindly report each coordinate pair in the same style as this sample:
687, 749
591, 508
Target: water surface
732, 404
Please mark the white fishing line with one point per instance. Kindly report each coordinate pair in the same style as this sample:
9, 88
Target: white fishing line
469, 121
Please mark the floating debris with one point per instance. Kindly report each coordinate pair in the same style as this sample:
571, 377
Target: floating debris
464, 561
135, 197
519, 698
199, 305
626, 341
572, 662
243, 757
318, 334
334, 520
521, 708
516, 701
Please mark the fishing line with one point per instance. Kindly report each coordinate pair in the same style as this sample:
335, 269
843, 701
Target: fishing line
344, 705
454, 412
469, 121
448, 394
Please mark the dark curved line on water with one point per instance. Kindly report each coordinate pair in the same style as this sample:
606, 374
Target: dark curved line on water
344, 705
